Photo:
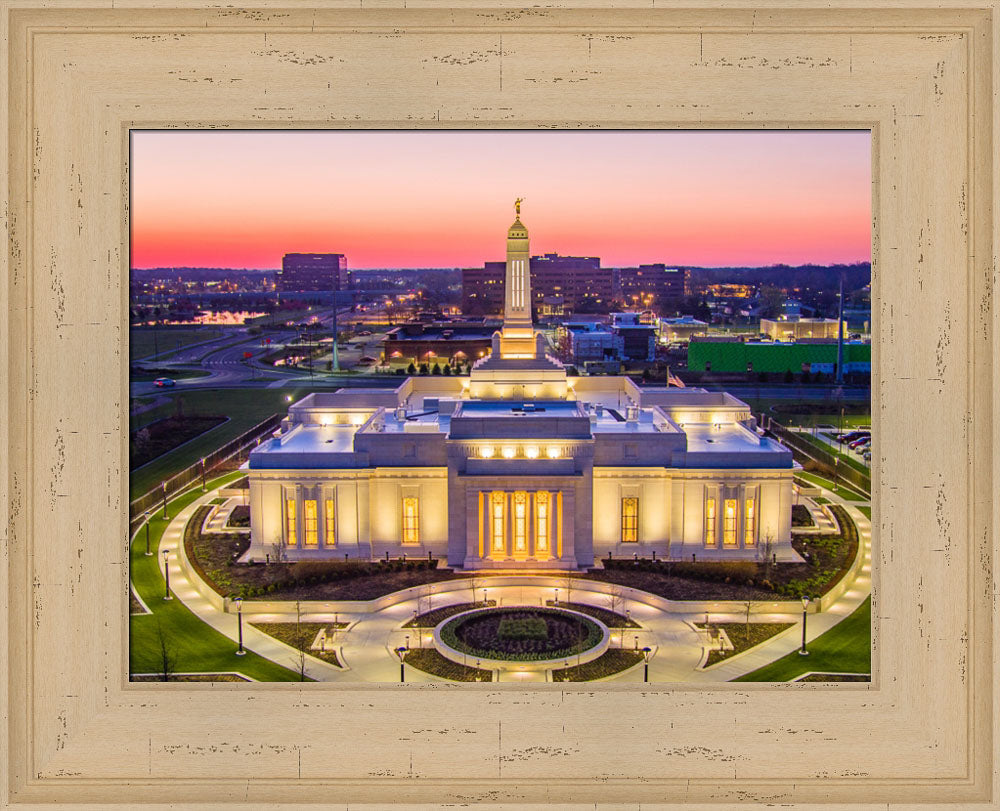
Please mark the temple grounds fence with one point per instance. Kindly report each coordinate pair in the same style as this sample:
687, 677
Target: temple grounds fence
233, 453
828, 460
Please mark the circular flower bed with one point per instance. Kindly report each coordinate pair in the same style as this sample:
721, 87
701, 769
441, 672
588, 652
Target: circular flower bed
521, 634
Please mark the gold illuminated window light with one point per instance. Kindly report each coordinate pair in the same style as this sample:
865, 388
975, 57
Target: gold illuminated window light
520, 522
710, 522
330, 525
498, 503
310, 523
630, 520
411, 520
750, 523
290, 534
729, 522
541, 523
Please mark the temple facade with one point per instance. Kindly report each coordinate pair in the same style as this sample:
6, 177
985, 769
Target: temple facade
518, 466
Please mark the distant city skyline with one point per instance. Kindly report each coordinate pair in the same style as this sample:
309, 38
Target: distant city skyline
436, 198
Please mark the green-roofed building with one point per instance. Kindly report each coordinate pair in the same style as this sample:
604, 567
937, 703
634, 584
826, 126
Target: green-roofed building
743, 356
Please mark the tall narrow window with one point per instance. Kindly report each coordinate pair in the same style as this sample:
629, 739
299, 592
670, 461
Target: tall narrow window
290, 535
329, 525
498, 501
729, 522
750, 523
411, 520
630, 520
521, 522
541, 523
310, 523
709, 522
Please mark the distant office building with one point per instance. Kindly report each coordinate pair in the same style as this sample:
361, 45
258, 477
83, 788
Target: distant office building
591, 342
648, 285
559, 284
312, 272
443, 343
673, 330
796, 329
726, 290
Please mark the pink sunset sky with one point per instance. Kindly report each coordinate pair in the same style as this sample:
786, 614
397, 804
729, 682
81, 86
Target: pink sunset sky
445, 198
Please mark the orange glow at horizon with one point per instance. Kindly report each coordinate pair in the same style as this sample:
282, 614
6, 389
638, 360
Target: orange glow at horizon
242, 199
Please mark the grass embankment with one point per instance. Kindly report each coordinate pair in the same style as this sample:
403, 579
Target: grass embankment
430, 661
192, 645
164, 435
866, 512
301, 635
801, 517
846, 458
607, 664
244, 407
743, 636
845, 648
841, 490
166, 339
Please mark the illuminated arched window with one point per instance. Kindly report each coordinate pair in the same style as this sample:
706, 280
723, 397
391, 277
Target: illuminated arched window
729, 522
290, 534
750, 523
310, 523
709, 522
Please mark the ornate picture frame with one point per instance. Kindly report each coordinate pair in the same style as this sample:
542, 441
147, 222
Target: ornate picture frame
922, 79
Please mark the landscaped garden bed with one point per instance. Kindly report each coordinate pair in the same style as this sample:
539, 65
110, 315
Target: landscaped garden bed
190, 677
607, 664
825, 677
610, 618
300, 635
214, 556
743, 636
827, 560
430, 661
801, 517
431, 619
521, 634
239, 517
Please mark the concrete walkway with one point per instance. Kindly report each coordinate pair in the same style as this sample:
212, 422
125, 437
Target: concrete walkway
366, 648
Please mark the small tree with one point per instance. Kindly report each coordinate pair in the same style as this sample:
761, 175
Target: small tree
447, 370
474, 583
765, 552
411, 369
437, 369
168, 654
423, 369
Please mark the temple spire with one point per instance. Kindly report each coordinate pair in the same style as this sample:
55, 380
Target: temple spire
517, 207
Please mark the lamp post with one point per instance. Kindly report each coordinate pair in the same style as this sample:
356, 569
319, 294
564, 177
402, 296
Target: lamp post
203, 474
556, 601
166, 574
637, 643
239, 624
148, 553
401, 653
805, 607
163, 488
645, 663
486, 598
407, 645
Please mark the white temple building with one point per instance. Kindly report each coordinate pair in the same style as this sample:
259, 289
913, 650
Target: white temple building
520, 467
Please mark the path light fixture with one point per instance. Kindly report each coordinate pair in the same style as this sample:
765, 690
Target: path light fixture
401, 653
637, 643
805, 609
148, 514
645, 659
166, 574
407, 645
239, 624
486, 600
556, 601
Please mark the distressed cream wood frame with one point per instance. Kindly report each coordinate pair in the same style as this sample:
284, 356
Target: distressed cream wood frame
923, 79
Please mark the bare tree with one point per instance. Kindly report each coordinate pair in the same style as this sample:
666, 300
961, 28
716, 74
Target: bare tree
300, 665
765, 552
168, 654
474, 583
615, 599
568, 585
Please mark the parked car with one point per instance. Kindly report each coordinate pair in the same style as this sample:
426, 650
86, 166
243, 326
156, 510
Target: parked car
859, 443
852, 436
164, 382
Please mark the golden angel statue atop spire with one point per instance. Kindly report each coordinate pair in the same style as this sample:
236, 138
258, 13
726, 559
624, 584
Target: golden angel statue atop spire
517, 206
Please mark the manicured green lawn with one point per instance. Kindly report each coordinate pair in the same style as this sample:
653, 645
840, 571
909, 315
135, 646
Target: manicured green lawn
840, 489
144, 341
197, 647
866, 512
845, 648
846, 458
245, 409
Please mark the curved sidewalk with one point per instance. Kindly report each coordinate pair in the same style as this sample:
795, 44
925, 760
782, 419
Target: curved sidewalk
366, 646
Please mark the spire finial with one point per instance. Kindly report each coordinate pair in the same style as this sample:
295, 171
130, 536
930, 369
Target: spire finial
517, 207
